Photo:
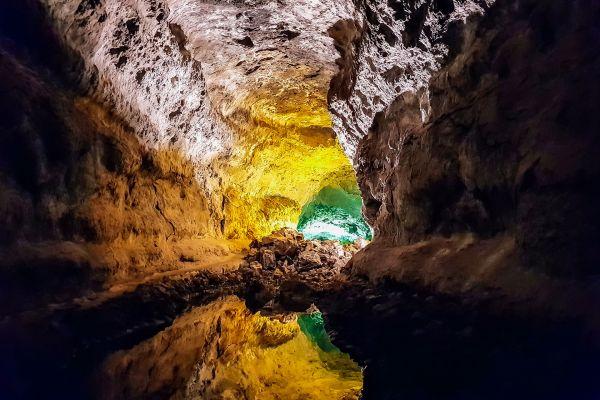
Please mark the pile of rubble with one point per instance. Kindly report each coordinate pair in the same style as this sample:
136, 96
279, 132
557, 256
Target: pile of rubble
287, 269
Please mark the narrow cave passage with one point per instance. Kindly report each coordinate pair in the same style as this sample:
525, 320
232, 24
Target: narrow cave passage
287, 157
335, 213
293, 192
299, 199
155, 296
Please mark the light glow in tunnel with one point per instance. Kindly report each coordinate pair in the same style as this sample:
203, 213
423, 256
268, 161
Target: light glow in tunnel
286, 153
334, 214
287, 167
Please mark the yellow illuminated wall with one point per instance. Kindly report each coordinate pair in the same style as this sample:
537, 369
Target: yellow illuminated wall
286, 152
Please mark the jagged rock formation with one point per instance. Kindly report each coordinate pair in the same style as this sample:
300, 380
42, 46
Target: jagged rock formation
473, 118
138, 136
388, 54
240, 89
285, 272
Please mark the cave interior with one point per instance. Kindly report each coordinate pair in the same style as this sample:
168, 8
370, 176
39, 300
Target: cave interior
300, 199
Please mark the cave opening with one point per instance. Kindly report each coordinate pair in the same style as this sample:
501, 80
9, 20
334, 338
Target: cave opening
334, 213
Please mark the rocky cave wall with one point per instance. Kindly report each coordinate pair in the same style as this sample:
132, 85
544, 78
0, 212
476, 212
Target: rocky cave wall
81, 200
136, 132
443, 107
240, 89
140, 131
472, 129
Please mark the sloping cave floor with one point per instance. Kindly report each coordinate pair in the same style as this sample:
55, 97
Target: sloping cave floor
412, 343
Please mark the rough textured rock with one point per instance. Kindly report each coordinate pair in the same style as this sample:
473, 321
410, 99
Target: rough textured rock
389, 51
238, 88
81, 200
284, 271
482, 122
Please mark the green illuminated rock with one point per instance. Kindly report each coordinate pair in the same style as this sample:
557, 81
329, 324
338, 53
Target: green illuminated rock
334, 214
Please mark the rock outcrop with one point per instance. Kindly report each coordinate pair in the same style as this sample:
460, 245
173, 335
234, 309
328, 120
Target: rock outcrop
286, 272
388, 53
473, 118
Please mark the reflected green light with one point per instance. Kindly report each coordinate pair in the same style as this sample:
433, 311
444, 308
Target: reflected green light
334, 214
313, 326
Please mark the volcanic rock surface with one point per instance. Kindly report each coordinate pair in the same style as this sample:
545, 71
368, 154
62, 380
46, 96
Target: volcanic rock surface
472, 131
239, 88
144, 144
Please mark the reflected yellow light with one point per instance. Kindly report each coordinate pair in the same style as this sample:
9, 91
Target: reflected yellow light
223, 351
275, 360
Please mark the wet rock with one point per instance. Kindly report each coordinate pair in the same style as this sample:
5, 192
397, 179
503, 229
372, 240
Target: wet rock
296, 295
